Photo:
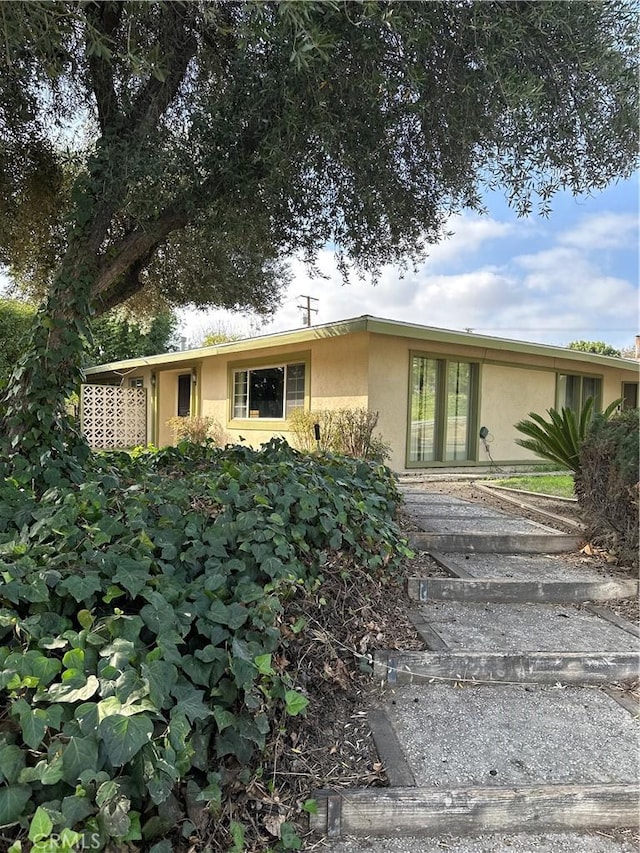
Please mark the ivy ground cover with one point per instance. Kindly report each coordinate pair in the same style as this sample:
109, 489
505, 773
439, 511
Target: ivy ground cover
141, 671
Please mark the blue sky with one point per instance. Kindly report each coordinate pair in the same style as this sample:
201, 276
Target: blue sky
570, 276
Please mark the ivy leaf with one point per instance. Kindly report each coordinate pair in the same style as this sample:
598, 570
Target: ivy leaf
12, 760
45, 668
124, 737
190, 703
114, 817
158, 615
289, 837
52, 772
295, 702
12, 802
81, 587
237, 615
132, 574
74, 659
160, 788
223, 718
161, 677
75, 809
41, 825
162, 847
80, 754
69, 693
34, 726
263, 663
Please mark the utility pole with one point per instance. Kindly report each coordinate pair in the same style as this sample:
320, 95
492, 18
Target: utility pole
307, 308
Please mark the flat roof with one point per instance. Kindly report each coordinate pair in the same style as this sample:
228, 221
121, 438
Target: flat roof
364, 323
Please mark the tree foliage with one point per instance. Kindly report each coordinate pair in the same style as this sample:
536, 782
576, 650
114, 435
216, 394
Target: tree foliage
114, 336
597, 347
117, 336
15, 321
191, 146
220, 134
609, 484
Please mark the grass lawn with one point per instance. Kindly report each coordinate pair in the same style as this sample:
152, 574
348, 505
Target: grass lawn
547, 484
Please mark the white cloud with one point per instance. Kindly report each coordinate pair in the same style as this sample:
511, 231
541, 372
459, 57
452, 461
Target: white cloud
605, 230
470, 233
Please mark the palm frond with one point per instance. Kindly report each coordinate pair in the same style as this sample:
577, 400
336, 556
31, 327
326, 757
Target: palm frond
559, 439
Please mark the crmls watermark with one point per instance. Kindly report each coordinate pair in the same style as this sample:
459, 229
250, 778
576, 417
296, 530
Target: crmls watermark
88, 841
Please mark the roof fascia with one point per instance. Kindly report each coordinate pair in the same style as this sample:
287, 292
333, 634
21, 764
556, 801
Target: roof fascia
374, 325
298, 336
407, 330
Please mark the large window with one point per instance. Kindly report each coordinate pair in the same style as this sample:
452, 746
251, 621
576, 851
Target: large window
443, 402
575, 390
268, 392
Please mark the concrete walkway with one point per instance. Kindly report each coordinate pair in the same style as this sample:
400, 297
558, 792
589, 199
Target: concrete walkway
506, 733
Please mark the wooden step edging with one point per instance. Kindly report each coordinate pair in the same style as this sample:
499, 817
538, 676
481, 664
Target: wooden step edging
497, 543
512, 590
394, 667
498, 492
614, 619
469, 811
390, 751
431, 638
452, 568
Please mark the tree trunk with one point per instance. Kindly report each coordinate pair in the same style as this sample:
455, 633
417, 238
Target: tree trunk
42, 440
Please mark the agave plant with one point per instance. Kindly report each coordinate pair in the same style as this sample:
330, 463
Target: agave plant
559, 439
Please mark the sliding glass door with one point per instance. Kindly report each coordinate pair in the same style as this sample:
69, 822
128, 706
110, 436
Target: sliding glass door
443, 403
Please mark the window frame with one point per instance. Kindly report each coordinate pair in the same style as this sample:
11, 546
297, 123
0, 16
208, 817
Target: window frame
246, 366
624, 396
562, 404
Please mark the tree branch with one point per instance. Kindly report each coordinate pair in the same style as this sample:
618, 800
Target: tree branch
179, 47
137, 247
104, 18
126, 287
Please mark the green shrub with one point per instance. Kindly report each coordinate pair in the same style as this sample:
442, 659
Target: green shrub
139, 629
346, 431
607, 485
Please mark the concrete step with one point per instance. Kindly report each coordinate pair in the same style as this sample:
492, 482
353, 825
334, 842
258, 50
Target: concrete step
507, 759
482, 667
501, 627
496, 543
511, 590
529, 567
597, 840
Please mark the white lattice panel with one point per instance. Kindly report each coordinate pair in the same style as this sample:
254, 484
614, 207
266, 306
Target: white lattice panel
114, 417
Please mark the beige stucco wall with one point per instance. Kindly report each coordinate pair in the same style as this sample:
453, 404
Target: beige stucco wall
337, 377
339, 372
507, 395
613, 382
389, 393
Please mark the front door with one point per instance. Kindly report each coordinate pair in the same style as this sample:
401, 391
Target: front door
184, 395
630, 395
